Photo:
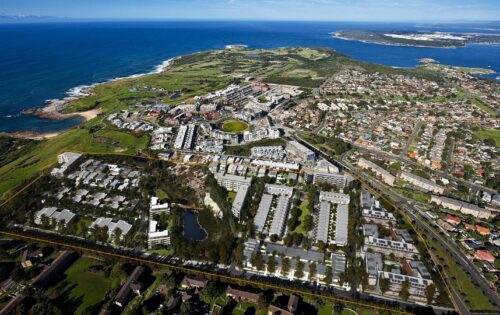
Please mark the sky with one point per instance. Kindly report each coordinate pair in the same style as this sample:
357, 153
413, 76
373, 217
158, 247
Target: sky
320, 10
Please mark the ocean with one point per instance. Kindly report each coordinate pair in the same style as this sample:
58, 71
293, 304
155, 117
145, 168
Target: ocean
45, 60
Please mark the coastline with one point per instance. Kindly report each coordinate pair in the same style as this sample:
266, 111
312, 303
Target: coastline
335, 35
391, 44
35, 135
54, 108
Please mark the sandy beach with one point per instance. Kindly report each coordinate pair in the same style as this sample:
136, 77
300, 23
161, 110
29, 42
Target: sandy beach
33, 135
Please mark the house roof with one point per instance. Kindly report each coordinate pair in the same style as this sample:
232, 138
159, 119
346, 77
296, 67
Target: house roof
452, 219
243, 294
482, 230
484, 255
292, 252
194, 282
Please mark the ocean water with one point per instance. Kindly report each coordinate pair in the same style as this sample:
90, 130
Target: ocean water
43, 61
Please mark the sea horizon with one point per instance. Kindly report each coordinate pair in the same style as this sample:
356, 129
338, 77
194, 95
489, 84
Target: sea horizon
56, 78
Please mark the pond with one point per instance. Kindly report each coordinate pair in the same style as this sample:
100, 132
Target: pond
192, 230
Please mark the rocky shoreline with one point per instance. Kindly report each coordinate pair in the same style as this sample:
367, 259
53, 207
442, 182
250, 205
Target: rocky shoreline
54, 108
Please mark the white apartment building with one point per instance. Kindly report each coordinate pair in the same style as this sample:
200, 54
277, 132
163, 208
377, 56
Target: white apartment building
232, 182
420, 182
464, 207
384, 175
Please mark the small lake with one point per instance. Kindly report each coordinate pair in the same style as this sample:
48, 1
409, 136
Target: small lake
192, 230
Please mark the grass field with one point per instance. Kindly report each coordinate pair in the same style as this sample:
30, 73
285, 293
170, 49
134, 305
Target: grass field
489, 133
230, 196
236, 126
304, 207
86, 288
123, 140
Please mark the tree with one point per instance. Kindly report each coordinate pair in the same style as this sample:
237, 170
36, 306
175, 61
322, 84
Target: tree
288, 240
321, 246
489, 142
188, 308
342, 278
238, 255
299, 271
44, 307
405, 290
18, 274
285, 266
429, 292
384, 284
361, 276
312, 270
297, 239
338, 307
333, 248
257, 261
271, 265
275, 238
328, 275
45, 221
212, 290
117, 235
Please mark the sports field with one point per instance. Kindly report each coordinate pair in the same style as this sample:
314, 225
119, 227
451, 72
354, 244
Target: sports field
232, 125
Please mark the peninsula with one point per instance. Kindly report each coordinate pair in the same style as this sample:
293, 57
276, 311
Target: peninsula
419, 39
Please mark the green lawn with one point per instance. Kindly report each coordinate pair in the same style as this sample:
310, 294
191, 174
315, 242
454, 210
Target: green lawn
230, 196
326, 310
161, 251
304, 207
415, 195
232, 125
489, 133
123, 139
162, 194
87, 287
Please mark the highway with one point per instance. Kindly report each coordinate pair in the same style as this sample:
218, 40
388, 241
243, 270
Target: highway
402, 204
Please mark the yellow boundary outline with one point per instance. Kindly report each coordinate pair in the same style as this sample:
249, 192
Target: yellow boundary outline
212, 274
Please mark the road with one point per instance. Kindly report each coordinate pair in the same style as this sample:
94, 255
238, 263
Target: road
412, 138
449, 156
402, 203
